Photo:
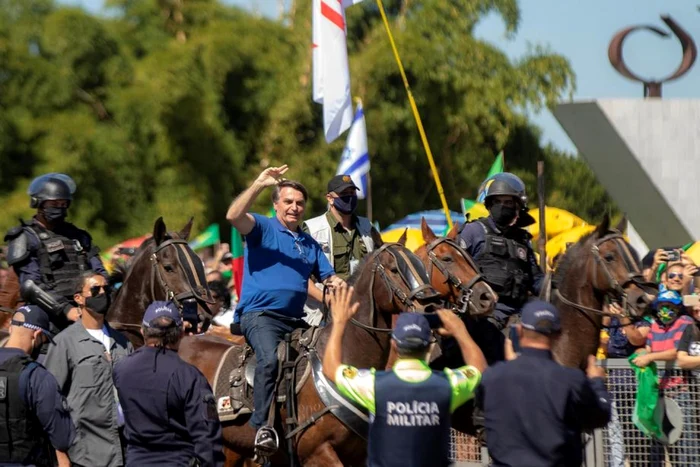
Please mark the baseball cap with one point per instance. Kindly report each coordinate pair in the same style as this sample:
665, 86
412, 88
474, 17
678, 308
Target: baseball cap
340, 183
161, 309
35, 319
412, 331
541, 317
668, 297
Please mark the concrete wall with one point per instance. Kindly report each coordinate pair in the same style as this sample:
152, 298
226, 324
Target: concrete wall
646, 152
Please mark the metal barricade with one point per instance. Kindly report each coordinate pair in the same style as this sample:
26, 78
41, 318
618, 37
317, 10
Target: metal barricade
621, 443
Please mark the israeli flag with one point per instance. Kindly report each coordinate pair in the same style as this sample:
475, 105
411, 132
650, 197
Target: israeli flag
355, 158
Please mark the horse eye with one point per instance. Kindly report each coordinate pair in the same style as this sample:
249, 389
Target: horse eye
609, 257
446, 259
169, 268
394, 269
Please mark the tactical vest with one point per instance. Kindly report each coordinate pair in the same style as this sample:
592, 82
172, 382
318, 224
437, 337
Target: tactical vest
411, 426
61, 261
504, 264
21, 438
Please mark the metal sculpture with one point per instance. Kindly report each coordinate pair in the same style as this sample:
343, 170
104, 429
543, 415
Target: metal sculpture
652, 88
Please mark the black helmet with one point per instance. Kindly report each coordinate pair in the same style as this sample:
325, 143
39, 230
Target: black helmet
50, 186
505, 184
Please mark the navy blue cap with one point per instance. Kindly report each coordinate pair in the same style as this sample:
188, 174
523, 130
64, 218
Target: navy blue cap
412, 331
35, 319
161, 309
541, 317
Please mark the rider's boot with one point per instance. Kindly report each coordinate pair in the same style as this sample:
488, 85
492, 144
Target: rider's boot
266, 441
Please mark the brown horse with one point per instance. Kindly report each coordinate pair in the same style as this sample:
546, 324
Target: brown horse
163, 268
453, 273
390, 280
598, 269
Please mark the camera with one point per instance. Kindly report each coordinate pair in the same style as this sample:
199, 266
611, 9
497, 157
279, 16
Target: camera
673, 255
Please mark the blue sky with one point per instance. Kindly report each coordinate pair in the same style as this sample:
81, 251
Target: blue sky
581, 31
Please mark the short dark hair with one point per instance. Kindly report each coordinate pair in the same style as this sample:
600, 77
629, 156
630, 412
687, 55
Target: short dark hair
219, 288
163, 329
414, 353
82, 279
291, 184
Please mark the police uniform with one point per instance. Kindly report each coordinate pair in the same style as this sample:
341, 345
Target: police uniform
169, 409
410, 406
34, 416
535, 391
53, 259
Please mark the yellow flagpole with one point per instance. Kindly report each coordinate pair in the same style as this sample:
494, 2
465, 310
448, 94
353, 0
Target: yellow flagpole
416, 115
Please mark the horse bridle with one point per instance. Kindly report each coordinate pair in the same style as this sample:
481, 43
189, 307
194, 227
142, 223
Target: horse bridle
197, 292
404, 298
634, 275
465, 290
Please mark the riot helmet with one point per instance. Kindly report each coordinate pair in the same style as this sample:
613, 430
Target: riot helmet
503, 184
49, 187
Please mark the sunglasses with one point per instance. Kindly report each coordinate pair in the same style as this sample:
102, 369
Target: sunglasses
95, 290
674, 275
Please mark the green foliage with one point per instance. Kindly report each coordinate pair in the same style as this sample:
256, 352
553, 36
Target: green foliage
172, 108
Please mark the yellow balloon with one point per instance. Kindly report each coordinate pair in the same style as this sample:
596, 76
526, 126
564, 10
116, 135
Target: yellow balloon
556, 221
414, 237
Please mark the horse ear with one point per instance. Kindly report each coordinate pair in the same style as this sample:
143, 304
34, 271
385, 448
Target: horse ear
604, 226
402, 239
454, 231
159, 231
185, 232
428, 234
622, 225
377, 239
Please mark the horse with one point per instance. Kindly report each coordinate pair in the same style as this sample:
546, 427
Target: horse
454, 274
388, 281
163, 268
601, 267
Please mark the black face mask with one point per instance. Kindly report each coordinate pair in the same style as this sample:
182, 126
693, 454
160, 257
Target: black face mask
346, 204
99, 304
53, 214
502, 215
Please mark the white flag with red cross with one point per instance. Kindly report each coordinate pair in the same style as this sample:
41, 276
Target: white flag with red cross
331, 74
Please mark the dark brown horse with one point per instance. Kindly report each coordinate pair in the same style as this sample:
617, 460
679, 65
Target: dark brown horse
384, 286
598, 269
163, 268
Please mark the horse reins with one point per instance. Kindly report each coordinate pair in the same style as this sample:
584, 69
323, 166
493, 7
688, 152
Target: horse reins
465, 296
395, 291
634, 274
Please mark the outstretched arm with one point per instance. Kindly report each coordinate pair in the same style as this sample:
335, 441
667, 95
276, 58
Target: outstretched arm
342, 309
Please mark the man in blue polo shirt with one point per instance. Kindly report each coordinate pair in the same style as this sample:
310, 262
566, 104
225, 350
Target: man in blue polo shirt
279, 260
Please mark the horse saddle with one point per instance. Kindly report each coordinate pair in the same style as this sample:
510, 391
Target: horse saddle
234, 377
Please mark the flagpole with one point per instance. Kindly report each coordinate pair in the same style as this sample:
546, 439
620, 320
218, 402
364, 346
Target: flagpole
368, 197
416, 115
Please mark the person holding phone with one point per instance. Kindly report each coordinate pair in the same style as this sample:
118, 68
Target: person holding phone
410, 405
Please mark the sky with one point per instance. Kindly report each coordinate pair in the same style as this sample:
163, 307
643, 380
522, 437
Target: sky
581, 31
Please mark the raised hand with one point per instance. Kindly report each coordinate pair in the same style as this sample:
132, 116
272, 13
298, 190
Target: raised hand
342, 306
272, 175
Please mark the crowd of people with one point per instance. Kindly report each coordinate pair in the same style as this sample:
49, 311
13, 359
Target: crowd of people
74, 391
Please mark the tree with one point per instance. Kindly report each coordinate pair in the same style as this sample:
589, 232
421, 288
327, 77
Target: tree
171, 108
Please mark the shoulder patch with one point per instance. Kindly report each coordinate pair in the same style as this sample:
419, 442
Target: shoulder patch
13, 232
349, 372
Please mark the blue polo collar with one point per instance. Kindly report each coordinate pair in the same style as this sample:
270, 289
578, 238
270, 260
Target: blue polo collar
282, 228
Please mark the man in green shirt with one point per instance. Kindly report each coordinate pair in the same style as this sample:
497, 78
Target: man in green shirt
345, 238
410, 405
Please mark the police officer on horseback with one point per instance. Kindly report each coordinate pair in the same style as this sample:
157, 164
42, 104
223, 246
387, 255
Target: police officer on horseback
49, 252
501, 248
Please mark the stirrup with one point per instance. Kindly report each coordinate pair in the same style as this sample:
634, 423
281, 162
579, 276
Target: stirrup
266, 442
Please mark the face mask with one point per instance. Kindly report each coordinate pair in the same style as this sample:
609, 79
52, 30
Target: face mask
55, 214
666, 315
502, 215
345, 204
99, 304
